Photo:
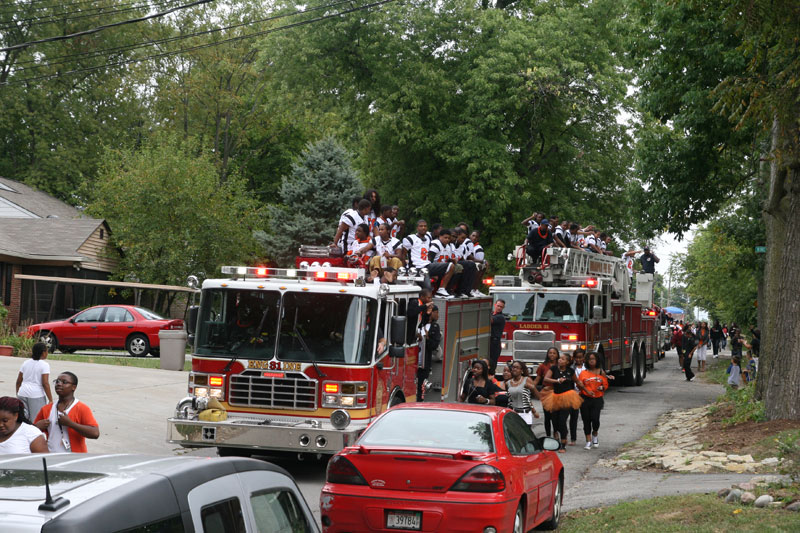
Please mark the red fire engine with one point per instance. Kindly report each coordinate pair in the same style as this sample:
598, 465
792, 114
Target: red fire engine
302, 360
578, 299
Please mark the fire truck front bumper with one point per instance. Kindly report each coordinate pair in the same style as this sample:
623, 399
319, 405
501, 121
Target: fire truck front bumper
308, 436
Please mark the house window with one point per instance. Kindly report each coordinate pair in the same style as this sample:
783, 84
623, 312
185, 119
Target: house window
102, 233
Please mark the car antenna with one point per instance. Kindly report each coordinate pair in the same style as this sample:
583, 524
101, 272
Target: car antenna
49, 503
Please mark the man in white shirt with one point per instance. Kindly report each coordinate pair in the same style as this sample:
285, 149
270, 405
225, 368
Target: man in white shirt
560, 239
423, 253
464, 254
388, 250
479, 257
348, 222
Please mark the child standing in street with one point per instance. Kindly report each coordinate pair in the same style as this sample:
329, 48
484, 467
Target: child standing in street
735, 371
33, 381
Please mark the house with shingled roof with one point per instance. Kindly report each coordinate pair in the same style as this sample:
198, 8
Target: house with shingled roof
43, 236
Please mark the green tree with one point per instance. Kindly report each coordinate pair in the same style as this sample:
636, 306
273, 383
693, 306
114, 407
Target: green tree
722, 79
168, 213
484, 115
321, 185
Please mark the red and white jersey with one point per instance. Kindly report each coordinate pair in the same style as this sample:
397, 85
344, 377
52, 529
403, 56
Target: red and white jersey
629, 259
356, 246
532, 225
465, 249
380, 246
477, 252
393, 230
589, 241
417, 250
370, 219
379, 221
351, 218
439, 252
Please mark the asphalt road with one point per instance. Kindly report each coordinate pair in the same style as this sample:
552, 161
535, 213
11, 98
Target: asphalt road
131, 405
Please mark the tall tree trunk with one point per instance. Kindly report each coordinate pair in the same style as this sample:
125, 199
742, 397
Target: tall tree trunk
779, 365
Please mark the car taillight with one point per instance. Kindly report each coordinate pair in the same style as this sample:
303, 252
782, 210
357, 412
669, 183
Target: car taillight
341, 470
482, 478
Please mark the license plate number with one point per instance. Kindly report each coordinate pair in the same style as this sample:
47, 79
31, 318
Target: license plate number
404, 520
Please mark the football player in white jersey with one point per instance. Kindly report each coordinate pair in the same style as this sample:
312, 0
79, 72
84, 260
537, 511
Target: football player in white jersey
464, 255
479, 257
417, 247
560, 235
348, 222
398, 226
388, 251
532, 222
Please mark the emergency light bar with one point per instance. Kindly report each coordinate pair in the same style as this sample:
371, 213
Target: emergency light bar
316, 273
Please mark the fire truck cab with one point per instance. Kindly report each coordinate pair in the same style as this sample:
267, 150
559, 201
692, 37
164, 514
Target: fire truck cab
302, 360
579, 299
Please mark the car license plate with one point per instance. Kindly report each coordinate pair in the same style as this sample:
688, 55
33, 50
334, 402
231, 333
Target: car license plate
404, 520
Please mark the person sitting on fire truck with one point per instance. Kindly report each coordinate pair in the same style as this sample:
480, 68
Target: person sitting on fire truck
398, 226
532, 222
441, 264
417, 246
384, 218
360, 249
463, 253
593, 242
539, 239
348, 222
560, 235
386, 275
388, 250
479, 257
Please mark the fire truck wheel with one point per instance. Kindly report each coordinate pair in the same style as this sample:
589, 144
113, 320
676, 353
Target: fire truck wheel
639, 368
397, 399
629, 374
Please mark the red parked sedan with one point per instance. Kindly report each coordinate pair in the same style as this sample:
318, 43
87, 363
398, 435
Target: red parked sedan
106, 326
444, 467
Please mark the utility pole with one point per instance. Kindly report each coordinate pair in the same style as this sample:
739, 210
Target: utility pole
669, 289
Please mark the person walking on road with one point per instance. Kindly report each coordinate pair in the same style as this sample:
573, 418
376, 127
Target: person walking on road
702, 344
716, 338
550, 360
520, 389
496, 334
689, 347
562, 398
595, 383
33, 381
68, 422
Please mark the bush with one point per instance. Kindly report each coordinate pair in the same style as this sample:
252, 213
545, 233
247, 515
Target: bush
789, 451
22, 345
745, 406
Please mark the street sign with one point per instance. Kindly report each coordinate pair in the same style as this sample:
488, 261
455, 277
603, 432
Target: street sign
761, 249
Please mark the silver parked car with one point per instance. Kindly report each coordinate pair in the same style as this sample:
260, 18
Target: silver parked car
148, 494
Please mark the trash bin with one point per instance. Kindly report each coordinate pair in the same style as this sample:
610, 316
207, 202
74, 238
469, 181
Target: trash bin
173, 348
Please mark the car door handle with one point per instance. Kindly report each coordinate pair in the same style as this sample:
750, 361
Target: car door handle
94, 327
130, 327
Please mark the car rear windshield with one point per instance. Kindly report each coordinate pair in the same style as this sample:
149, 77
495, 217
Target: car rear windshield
431, 428
29, 484
148, 314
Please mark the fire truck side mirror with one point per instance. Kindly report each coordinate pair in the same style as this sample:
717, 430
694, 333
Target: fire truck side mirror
597, 312
398, 330
191, 319
397, 352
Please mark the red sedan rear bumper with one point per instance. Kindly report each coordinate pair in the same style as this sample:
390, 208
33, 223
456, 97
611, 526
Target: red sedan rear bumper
467, 512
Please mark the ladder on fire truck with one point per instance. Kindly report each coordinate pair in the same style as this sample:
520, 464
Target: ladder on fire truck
572, 265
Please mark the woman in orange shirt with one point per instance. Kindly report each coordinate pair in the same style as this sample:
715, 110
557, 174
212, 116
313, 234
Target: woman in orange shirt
595, 383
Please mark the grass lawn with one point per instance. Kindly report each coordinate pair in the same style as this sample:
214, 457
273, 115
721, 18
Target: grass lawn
695, 513
139, 362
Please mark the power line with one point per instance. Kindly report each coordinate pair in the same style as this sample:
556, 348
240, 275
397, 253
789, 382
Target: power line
202, 46
105, 27
61, 60
83, 13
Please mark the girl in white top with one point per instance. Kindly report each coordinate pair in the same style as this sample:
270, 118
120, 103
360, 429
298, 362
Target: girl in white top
33, 381
16, 434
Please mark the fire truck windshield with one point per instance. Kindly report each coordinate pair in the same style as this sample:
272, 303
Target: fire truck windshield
335, 328
544, 307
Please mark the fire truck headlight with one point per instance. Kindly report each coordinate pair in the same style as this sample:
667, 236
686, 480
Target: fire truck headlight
503, 345
201, 392
571, 347
330, 399
340, 419
348, 401
216, 393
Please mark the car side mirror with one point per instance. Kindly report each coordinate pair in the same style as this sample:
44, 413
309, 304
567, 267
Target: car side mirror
398, 330
550, 444
191, 319
597, 312
397, 352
